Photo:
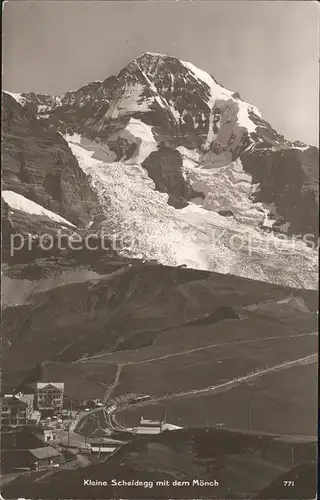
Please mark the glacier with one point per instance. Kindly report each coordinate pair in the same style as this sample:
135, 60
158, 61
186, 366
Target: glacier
195, 236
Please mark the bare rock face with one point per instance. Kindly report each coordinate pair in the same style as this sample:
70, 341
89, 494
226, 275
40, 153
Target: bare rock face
39, 165
287, 180
164, 167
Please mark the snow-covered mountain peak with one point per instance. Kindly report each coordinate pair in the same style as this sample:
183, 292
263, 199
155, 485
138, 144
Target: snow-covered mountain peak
152, 54
183, 149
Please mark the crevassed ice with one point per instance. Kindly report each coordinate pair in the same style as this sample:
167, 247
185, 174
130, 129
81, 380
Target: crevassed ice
134, 209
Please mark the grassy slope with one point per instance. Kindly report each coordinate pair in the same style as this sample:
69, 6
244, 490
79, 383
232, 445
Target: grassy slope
86, 318
283, 402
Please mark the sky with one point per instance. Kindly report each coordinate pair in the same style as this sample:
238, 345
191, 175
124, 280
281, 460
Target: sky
268, 51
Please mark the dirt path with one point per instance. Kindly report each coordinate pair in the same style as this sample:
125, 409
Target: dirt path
311, 358
182, 353
112, 387
114, 384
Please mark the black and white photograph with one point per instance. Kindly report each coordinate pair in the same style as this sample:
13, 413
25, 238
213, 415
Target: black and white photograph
160, 238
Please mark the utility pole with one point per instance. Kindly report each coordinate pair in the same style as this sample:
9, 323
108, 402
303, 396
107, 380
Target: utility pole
70, 420
248, 394
249, 410
294, 461
69, 435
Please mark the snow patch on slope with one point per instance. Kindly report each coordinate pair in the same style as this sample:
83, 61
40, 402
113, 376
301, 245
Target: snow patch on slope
75, 138
140, 129
243, 117
131, 100
190, 158
219, 92
18, 202
15, 292
146, 144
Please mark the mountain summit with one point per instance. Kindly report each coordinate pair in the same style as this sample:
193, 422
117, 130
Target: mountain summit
165, 155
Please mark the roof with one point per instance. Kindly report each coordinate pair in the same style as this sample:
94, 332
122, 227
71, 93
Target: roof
57, 385
152, 423
46, 452
35, 415
13, 401
104, 442
170, 427
104, 449
147, 430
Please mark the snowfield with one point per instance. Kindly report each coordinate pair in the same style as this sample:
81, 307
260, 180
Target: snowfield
18, 202
140, 133
220, 93
196, 236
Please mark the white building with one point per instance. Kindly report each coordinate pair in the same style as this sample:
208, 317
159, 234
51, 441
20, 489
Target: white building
147, 426
50, 395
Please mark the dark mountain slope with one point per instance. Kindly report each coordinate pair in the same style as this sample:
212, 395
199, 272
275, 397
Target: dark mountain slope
38, 164
66, 322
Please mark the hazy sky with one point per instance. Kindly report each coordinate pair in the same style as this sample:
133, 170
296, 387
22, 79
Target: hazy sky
267, 51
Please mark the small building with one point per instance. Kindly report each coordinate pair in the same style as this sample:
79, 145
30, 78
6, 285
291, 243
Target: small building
101, 446
147, 426
50, 396
34, 418
98, 402
44, 457
13, 411
46, 434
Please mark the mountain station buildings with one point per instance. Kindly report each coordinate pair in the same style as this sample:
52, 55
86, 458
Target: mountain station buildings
50, 396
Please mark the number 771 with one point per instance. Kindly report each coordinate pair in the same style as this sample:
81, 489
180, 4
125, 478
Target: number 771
288, 483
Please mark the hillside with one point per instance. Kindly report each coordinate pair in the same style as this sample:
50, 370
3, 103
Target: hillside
176, 334
241, 465
135, 306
